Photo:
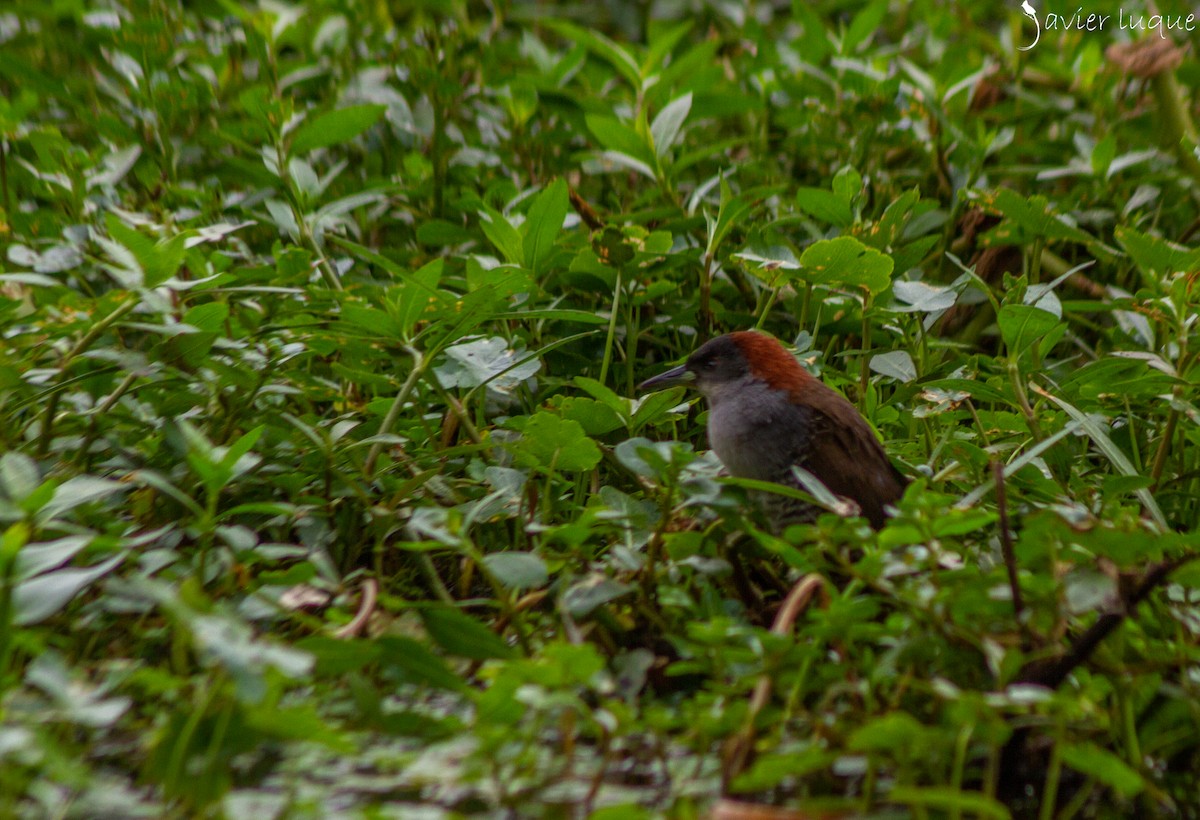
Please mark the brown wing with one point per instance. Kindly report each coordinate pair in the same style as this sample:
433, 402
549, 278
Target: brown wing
845, 454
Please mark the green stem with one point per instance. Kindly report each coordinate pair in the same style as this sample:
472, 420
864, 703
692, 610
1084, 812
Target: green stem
46, 435
393, 413
4, 179
1014, 375
1050, 790
1179, 130
612, 330
864, 373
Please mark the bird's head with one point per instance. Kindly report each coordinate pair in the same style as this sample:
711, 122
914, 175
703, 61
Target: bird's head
732, 361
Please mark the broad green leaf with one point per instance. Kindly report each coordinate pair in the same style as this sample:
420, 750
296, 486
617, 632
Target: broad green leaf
897, 733
335, 127
418, 663
460, 634
661, 44
865, 23
1027, 218
595, 417
898, 364
733, 209
617, 137
598, 44
666, 126
34, 559
1023, 325
79, 490
845, 261
158, 260
555, 443
19, 475
1111, 451
517, 570
542, 224
922, 297
1157, 258
487, 361
1112, 771
38, 598
337, 657
971, 804
825, 206
503, 235
582, 598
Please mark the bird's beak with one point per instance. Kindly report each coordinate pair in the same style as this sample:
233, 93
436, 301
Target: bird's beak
674, 376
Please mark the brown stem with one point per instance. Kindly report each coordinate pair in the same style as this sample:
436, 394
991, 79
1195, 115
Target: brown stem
366, 606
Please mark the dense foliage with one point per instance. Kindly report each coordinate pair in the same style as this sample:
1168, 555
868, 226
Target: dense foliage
326, 490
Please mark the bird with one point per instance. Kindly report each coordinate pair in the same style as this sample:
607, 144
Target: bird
767, 414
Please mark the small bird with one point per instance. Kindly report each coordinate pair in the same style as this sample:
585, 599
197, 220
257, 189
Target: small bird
767, 414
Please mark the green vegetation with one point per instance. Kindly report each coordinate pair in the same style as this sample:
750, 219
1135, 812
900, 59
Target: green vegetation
325, 489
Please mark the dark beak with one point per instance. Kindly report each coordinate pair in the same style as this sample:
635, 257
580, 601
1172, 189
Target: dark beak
674, 376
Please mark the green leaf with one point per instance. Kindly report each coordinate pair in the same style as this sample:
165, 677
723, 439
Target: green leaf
1027, 218
666, 126
864, 24
1111, 451
595, 417
38, 598
517, 570
847, 184
598, 44
77, 491
158, 260
542, 224
1024, 325
555, 443
617, 137
825, 206
337, 657
897, 732
898, 364
18, 475
335, 127
503, 235
732, 209
582, 598
459, 634
845, 261
1105, 766
417, 662
950, 799
1156, 258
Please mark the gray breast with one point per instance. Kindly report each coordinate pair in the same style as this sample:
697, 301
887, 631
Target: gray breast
755, 431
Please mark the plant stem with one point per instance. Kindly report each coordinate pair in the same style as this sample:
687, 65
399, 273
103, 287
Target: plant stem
612, 330
1050, 789
394, 411
864, 366
46, 435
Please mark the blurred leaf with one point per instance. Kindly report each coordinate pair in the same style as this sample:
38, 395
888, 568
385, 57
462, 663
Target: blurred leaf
518, 570
333, 127
666, 126
462, 635
36, 599
1105, 766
